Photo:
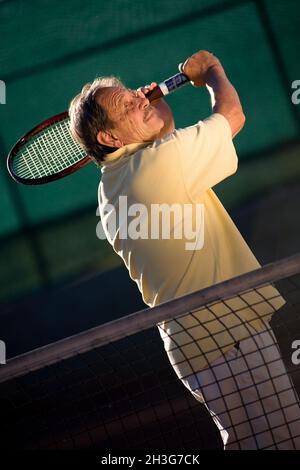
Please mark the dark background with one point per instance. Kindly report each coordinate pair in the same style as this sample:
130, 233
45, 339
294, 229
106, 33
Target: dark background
56, 277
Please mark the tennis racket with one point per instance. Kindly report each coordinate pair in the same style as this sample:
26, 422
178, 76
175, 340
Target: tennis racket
48, 152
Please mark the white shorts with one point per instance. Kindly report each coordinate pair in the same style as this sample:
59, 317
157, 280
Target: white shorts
250, 396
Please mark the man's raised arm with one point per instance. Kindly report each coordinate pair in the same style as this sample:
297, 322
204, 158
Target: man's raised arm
204, 69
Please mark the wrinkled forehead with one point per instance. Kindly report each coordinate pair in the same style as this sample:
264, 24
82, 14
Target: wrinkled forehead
112, 98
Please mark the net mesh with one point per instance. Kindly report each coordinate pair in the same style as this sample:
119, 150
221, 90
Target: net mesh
50, 151
123, 394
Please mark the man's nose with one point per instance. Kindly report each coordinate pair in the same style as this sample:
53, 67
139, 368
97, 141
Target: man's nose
145, 103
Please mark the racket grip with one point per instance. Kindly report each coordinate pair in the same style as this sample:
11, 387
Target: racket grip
168, 86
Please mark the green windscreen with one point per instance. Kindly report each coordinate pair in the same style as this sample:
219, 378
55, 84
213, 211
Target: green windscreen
50, 49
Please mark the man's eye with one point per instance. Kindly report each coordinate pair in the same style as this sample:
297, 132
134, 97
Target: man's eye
128, 105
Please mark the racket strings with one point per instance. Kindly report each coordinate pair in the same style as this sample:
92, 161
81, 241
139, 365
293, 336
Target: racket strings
49, 152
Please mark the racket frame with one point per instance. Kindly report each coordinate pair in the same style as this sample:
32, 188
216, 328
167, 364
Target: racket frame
26, 137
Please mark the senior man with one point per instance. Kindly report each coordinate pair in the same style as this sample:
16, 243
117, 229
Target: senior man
225, 354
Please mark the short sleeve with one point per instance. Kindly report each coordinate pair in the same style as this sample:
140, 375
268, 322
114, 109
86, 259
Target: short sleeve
207, 154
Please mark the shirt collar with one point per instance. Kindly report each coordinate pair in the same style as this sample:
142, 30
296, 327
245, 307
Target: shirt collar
121, 152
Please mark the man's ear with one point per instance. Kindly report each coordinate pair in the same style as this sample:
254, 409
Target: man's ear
106, 138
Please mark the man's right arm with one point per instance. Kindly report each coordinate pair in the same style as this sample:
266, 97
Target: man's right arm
204, 69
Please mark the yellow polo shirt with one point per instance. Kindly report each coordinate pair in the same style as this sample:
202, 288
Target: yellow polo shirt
180, 170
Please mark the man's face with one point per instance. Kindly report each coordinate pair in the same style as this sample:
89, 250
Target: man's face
134, 118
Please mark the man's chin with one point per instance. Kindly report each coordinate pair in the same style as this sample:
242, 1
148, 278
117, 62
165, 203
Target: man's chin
165, 129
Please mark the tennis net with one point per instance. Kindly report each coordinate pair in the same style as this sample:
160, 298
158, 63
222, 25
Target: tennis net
113, 387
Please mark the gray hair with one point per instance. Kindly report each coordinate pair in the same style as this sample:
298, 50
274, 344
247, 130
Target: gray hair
87, 117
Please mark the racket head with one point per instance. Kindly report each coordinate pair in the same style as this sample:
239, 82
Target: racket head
46, 153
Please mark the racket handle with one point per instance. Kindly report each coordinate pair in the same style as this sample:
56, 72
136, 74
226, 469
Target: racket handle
168, 86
